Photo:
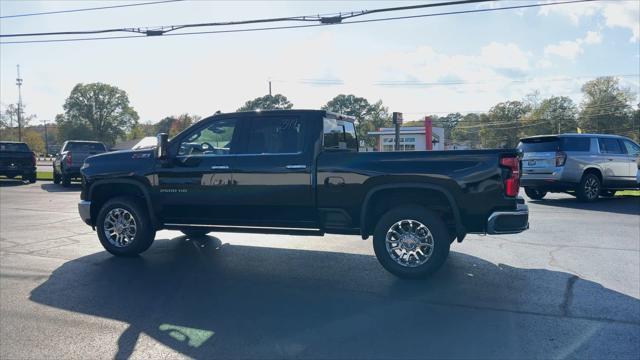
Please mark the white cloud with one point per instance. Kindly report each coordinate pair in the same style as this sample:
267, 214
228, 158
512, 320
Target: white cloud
593, 37
565, 49
544, 63
623, 14
573, 11
571, 49
506, 56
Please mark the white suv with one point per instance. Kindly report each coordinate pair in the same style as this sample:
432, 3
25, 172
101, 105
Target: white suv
585, 165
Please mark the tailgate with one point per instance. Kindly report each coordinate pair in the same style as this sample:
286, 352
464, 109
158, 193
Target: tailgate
539, 162
14, 159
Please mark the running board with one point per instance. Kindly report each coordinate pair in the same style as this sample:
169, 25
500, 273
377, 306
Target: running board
248, 229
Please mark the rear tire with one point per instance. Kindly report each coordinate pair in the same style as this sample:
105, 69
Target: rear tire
195, 233
589, 188
121, 240
535, 194
390, 249
32, 178
56, 178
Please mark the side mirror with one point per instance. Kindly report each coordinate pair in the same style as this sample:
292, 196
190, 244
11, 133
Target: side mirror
161, 149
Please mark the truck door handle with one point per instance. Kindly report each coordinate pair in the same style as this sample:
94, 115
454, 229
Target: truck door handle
220, 167
296, 166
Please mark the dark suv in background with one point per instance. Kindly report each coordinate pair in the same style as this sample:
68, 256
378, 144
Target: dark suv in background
584, 165
67, 163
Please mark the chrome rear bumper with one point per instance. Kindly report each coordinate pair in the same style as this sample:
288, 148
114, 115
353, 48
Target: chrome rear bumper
509, 222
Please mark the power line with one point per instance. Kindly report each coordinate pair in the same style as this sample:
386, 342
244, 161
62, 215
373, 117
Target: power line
161, 30
163, 33
87, 9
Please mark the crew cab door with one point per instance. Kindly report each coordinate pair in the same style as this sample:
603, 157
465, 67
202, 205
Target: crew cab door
273, 177
633, 152
613, 161
195, 185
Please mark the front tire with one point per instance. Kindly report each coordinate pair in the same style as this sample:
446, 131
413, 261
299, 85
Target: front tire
56, 178
589, 188
411, 241
66, 180
124, 227
535, 194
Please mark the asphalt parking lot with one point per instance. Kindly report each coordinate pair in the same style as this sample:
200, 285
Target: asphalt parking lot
567, 288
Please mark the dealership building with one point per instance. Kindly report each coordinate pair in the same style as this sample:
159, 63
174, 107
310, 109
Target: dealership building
412, 138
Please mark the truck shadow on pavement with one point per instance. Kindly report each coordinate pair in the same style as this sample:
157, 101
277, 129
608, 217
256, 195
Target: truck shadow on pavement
51, 187
629, 205
209, 300
6, 182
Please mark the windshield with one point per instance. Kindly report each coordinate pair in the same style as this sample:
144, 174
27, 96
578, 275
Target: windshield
15, 147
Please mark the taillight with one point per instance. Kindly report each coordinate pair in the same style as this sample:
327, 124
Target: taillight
69, 159
512, 182
561, 158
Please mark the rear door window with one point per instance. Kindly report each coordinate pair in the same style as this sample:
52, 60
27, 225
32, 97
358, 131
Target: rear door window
275, 135
339, 135
609, 146
575, 144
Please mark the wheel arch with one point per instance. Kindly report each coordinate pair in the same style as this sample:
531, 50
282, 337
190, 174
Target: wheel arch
593, 170
103, 190
377, 193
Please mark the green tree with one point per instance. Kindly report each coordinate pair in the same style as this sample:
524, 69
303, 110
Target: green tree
503, 124
369, 117
97, 111
34, 140
137, 132
267, 102
606, 107
554, 115
448, 122
173, 125
9, 122
467, 130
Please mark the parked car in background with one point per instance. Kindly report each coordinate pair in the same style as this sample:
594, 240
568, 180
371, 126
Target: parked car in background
585, 165
67, 163
300, 172
16, 159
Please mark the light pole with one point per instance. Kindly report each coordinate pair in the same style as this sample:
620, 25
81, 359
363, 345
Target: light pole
19, 83
46, 139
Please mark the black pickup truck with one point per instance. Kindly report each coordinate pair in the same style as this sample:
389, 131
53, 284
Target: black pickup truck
16, 159
300, 172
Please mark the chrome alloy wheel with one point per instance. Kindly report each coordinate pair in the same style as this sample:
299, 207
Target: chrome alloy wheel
409, 243
591, 188
120, 227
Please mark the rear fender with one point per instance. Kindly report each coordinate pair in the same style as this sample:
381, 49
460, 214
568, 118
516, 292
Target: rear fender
460, 231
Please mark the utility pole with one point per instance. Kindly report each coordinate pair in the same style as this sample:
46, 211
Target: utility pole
269, 87
19, 83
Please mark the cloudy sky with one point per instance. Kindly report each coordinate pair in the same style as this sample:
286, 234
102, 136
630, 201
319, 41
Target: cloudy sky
433, 65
